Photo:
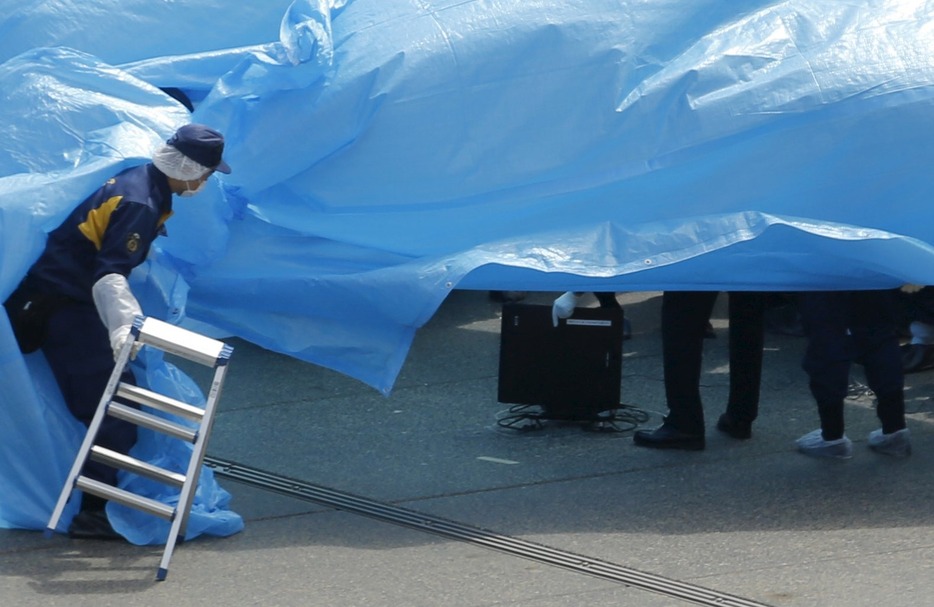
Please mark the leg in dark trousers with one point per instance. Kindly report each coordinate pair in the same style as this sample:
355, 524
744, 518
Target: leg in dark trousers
684, 323
684, 319
827, 359
747, 338
853, 326
685, 315
79, 354
875, 337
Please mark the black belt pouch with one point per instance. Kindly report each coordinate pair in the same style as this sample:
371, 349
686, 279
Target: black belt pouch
29, 311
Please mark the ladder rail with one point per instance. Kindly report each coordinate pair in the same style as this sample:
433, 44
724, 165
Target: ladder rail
185, 499
200, 449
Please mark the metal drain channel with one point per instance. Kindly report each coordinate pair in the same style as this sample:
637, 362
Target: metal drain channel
473, 535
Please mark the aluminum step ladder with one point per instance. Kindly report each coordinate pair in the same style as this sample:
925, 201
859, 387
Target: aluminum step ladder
186, 344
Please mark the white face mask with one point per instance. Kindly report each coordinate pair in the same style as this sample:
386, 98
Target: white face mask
189, 192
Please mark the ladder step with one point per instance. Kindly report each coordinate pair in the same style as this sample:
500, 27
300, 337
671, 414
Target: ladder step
125, 497
158, 401
125, 462
150, 421
182, 342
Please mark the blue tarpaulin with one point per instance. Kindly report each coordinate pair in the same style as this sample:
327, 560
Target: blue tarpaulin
385, 152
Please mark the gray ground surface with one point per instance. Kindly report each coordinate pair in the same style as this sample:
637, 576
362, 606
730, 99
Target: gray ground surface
750, 518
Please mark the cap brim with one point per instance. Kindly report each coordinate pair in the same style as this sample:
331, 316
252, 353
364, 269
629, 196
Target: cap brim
223, 168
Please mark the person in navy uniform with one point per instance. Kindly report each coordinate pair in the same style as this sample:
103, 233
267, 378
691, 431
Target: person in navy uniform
843, 328
75, 302
685, 317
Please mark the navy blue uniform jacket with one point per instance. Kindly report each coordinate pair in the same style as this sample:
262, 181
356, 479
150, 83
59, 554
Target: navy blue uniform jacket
109, 233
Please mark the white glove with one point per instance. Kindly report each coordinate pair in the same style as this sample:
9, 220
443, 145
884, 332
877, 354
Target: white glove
910, 288
117, 308
563, 307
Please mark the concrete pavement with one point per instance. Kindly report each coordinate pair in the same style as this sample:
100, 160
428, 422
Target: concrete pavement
752, 519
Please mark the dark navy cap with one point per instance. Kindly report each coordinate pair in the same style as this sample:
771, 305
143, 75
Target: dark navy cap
202, 144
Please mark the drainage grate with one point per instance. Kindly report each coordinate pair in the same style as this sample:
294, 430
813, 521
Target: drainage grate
473, 535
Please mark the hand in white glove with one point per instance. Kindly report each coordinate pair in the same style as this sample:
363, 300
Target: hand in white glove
117, 308
563, 307
118, 337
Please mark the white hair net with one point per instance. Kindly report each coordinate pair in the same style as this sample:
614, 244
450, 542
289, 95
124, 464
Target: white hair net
176, 165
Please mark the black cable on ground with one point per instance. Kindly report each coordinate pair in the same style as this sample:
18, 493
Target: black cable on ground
532, 418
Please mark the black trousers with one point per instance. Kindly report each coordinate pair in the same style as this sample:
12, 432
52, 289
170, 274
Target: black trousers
78, 351
844, 327
684, 320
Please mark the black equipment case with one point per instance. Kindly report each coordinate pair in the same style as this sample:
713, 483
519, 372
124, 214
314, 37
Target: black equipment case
572, 371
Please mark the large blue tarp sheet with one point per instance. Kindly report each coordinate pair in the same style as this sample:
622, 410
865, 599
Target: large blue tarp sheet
386, 152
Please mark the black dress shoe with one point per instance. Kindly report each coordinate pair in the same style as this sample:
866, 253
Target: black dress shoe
666, 437
92, 525
736, 429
